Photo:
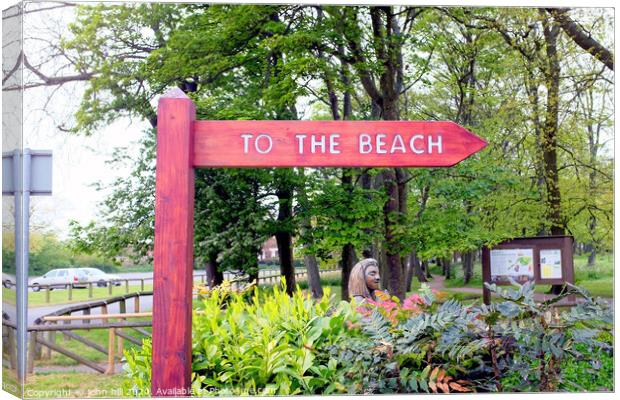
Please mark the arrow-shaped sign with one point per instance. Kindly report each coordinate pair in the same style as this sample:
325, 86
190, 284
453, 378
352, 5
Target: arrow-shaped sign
332, 143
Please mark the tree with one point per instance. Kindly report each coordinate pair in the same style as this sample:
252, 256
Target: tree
582, 38
510, 75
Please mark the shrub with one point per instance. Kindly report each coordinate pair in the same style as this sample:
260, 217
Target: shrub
267, 343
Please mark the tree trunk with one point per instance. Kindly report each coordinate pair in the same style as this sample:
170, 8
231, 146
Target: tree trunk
402, 178
549, 143
426, 269
284, 237
550, 130
213, 276
347, 257
253, 277
314, 276
592, 257
408, 273
347, 260
390, 210
380, 255
447, 267
468, 266
312, 266
416, 268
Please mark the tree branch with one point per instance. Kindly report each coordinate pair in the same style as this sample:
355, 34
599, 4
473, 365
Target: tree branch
583, 40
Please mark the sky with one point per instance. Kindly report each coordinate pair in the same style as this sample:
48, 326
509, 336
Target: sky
80, 161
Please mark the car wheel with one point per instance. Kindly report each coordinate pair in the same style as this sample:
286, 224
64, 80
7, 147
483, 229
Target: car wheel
101, 284
35, 287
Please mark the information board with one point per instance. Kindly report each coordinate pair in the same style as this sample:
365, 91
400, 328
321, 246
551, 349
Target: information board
551, 264
517, 264
544, 260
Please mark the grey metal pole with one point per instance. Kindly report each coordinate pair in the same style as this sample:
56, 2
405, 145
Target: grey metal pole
21, 179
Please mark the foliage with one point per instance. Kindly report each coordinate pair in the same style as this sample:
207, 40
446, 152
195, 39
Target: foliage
265, 342
47, 252
224, 291
340, 215
485, 69
138, 368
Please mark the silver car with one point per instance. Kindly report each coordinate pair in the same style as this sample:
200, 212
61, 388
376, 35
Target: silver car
8, 280
99, 277
60, 278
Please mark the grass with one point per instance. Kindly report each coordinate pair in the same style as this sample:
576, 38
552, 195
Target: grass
74, 385
134, 268
598, 280
61, 296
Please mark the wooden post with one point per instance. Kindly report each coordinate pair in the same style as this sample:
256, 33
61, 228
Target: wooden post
111, 335
46, 353
90, 290
120, 344
122, 306
47, 294
31, 351
70, 292
66, 337
12, 346
86, 312
173, 248
52, 339
142, 285
38, 350
104, 310
126, 286
110, 285
136, 304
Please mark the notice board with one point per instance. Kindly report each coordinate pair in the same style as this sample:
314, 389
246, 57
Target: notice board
546, 260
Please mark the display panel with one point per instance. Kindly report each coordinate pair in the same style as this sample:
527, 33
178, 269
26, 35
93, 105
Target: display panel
517, 264
551, 264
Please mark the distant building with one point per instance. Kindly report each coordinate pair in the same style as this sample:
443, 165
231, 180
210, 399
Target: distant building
269, 250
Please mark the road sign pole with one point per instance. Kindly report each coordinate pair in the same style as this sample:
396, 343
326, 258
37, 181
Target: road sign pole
21, 181
25, 173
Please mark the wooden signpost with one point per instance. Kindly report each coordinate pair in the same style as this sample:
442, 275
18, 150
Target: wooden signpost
184, 144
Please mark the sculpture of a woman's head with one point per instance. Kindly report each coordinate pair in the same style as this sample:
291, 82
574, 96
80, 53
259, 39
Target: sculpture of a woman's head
364, 280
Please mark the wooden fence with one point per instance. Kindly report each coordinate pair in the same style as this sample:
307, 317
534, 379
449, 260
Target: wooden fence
270, 276
42, 334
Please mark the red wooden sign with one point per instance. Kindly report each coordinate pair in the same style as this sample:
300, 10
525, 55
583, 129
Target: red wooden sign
332, 144
184, 143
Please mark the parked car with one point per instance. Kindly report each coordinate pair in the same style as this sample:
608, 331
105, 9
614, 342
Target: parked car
8, 280
60, 278
101, 278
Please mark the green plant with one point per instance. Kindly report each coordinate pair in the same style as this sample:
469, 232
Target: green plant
266, 345
272, 344
138, 370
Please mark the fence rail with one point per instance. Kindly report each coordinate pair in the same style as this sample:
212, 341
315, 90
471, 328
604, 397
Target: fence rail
268, 277
42, 334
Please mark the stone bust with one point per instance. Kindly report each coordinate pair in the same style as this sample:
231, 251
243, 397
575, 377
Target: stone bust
364, 280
